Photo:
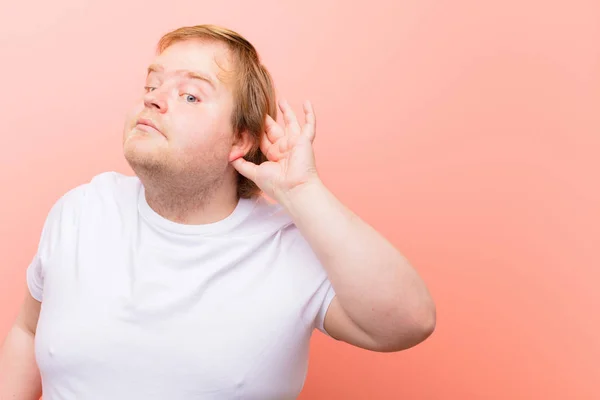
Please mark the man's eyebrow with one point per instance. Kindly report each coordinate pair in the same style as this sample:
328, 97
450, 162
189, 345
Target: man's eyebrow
186, 73
155, 68
199, 76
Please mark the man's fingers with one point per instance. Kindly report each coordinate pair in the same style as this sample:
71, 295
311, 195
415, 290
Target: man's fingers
310, 128
273, 130
246, 168
289, 117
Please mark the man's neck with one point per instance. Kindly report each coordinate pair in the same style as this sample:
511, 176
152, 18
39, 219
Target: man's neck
184, 205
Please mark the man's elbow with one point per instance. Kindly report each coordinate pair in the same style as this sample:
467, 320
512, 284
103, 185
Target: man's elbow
425, 324
412, 330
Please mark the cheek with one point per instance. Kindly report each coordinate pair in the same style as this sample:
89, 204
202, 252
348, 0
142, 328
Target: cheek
200, 128
206, 146
209, 144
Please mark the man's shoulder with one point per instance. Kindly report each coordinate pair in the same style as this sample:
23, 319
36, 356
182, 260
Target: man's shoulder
270, 215
108, 189
111, 182
302, 262
104, 188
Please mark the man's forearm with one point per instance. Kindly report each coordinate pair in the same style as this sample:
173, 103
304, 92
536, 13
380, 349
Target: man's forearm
374, 283
19, 375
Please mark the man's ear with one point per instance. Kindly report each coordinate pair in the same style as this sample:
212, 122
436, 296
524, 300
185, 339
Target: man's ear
242, 144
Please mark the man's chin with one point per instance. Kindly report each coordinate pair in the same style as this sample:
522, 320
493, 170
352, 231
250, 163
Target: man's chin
141, 158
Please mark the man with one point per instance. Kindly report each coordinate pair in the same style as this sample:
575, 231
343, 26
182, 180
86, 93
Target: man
183, 282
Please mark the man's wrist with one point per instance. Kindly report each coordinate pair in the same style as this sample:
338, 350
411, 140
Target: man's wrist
302, 197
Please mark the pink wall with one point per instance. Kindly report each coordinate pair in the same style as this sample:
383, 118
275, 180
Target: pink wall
468, 132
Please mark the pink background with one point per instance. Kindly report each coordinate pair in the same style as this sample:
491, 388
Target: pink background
468, 132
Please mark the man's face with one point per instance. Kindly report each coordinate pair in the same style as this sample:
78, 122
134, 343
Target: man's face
181, 127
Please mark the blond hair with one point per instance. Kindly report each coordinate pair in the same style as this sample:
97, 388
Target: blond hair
254, 92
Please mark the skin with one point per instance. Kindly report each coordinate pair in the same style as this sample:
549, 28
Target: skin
185, 163
188, 161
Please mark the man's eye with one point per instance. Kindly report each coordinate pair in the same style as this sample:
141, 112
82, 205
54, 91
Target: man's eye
191, 99
149, 88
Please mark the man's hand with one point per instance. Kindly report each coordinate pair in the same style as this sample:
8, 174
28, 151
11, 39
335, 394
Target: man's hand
290, 155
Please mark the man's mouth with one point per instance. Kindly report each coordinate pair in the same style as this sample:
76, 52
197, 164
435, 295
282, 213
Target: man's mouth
147, 125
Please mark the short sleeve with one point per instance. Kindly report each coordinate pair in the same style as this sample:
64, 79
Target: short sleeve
327, 298
60, 217
35, 278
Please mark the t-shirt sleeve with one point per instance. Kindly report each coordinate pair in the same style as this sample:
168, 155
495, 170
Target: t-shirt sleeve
35, 278
60, 217
327, 298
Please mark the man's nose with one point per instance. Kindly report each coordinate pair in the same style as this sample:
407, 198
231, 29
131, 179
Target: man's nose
156, 99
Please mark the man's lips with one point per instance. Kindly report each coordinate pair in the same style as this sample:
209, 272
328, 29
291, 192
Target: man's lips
147, 125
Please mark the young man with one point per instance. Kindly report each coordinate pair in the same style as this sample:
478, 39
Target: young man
183, 282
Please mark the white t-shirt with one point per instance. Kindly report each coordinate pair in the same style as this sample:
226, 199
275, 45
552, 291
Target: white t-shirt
135, 306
